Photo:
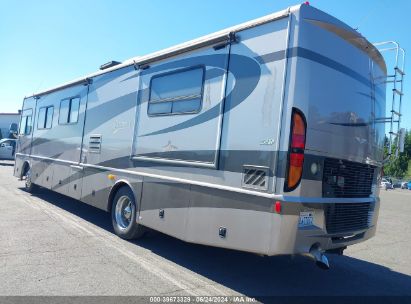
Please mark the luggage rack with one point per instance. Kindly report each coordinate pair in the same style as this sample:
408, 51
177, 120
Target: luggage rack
394, 81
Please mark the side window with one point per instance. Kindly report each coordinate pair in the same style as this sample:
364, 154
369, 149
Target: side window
74, 108
177, 92
29, 125
22, 127
49, 117
45, 118
41, 119
64, 111
69, 110
25, 122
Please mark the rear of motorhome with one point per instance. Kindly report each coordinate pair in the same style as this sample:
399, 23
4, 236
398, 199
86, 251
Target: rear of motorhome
261, 138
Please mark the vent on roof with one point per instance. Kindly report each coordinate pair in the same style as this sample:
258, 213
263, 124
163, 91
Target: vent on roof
109, 64
94, 145
255, 177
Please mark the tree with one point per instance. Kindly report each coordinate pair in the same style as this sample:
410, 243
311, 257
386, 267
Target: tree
407, 146
398, 166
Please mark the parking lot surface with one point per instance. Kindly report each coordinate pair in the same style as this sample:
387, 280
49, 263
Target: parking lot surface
54, 245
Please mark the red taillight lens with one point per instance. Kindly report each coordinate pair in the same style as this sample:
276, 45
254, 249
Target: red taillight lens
295, 170
298, 131
297, 146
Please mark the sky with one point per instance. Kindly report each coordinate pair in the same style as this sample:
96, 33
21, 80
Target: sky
45, 43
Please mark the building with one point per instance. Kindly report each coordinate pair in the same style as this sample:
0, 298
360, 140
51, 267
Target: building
8, 121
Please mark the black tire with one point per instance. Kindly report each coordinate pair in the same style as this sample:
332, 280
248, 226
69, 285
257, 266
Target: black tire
29, 186
124, 213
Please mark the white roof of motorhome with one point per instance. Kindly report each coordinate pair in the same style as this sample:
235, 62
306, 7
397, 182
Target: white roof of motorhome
216, 37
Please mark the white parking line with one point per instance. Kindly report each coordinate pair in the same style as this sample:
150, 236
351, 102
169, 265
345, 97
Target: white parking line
182, 278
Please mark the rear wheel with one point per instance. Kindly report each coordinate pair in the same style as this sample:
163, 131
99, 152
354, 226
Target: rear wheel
124, 215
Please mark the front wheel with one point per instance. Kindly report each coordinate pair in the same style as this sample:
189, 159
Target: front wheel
28, 183
124, 214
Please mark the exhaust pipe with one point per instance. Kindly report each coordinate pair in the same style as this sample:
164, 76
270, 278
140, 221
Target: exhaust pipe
320, 258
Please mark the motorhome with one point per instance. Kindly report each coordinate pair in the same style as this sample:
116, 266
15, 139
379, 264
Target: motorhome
263, 137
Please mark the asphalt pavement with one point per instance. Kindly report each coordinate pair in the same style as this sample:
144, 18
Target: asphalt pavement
53, 245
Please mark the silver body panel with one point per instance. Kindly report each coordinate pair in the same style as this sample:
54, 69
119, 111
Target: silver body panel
193, 166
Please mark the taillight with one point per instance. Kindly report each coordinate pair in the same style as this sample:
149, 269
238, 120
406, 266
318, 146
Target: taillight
296, 151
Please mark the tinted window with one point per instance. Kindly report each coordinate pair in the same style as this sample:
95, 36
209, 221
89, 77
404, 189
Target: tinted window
69, 110
159, 108
45, 118
22, 127
184, 106
74, 107
64, 111
25, 122
41, 119
49, 117
29, 125
177, 92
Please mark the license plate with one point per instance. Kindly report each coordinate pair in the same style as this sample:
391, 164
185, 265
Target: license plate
306, 219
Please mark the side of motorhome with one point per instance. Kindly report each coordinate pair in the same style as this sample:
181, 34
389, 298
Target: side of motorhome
260, 138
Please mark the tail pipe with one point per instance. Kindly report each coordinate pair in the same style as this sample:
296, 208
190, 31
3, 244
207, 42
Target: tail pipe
320, 259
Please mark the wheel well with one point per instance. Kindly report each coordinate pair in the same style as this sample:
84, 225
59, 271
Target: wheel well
25, 168
113, 192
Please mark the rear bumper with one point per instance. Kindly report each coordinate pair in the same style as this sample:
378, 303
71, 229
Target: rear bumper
293, 238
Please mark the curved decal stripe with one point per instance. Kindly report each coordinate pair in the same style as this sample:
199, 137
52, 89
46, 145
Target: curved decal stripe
215, 60
270, 57
112, 108
328, 62
246, 72
233, 161
211, 73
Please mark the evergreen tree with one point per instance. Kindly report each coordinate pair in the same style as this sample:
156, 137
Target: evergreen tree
398, 166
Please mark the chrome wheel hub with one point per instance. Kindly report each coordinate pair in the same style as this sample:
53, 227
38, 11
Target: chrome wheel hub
123, 213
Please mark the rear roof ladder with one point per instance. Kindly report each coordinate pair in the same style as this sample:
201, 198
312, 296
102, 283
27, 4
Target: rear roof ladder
394, 81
